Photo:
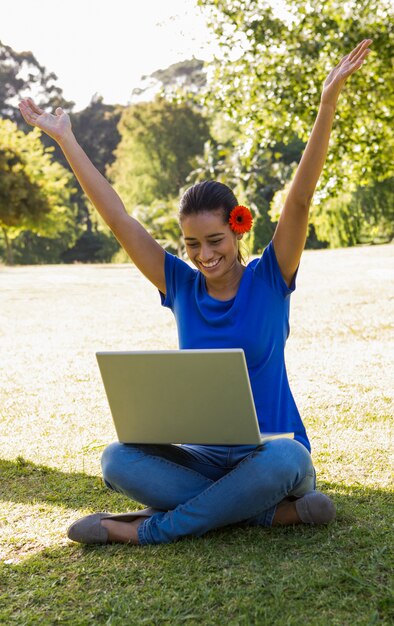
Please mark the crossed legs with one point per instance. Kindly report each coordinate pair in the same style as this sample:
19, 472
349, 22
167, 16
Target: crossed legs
198, 493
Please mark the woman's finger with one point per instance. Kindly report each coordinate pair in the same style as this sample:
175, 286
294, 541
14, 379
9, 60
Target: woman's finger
35, 108
27, 117
355, 64
355, 50
358, 60
350, 56
359, 50
27, 113
354, 60
342, 61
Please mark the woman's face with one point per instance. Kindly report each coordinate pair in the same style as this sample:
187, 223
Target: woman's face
210, 243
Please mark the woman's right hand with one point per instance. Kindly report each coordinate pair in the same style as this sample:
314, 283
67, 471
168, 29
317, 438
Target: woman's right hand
146, 253
57, 126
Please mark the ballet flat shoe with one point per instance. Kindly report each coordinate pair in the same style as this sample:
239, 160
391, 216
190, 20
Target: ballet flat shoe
89, 530
315, 508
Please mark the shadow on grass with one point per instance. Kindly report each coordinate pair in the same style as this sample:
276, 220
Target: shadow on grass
242, 578
246, 576
231, 575
25, 482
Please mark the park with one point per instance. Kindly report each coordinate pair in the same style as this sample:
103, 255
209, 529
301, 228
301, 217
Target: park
303, 136
56, 421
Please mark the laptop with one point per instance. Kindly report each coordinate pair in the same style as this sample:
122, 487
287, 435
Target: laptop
181, 396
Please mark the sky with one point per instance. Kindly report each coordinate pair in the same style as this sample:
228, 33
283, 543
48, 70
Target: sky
104, 47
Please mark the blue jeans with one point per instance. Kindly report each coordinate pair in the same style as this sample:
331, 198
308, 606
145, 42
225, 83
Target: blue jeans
199, 488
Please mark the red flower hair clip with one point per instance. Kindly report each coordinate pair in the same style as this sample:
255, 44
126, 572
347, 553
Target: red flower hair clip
241, 219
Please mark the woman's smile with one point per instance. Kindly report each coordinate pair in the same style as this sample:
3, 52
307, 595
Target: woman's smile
210, 265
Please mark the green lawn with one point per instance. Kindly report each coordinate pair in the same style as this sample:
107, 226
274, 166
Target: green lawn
55, 422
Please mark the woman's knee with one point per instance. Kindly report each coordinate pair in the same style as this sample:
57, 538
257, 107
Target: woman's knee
115, 461
290, 458
108, 462
110, 454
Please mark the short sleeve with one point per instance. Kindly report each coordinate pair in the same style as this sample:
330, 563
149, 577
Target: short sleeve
177, 275
267, 268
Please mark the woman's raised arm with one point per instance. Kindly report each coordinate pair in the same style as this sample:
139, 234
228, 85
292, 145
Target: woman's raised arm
290, 234
143, 250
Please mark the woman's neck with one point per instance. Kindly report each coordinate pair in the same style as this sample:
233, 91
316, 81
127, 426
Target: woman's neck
226, 287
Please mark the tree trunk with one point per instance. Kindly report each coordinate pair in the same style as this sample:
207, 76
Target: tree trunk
8, 248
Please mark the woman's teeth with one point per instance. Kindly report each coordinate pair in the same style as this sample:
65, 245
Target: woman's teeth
211, 264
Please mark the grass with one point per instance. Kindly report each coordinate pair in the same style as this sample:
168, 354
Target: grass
55, 422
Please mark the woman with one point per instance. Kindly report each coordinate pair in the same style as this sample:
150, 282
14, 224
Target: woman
220, 304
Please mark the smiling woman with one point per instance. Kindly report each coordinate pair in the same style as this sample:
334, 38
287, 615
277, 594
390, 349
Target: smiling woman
207, 216
221, 304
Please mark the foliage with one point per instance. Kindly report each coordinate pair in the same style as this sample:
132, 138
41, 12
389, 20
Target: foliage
272, 88
94, 246
30, 248
161, 220
363, 216
263, 229
374, 206
34, 191
336, 223
216, 162
268, 78
159, 142
256, 187
183, 78
96, 130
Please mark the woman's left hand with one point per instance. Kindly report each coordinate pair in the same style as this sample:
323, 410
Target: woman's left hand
341, 72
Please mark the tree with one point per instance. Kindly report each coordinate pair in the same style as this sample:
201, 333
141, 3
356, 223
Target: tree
34, 191
184, 79
96, 130
255, 187
21, 73
268, 80
159, 143
364, 216
374, 206
161, 220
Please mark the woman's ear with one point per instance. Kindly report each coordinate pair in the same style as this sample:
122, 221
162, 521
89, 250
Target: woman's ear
239, 236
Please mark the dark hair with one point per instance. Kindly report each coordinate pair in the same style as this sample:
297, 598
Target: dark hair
209, 195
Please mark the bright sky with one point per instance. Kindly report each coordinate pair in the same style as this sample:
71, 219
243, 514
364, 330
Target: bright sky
101, 46
105, 46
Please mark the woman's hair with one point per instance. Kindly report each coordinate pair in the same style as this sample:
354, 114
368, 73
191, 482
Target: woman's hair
208, 196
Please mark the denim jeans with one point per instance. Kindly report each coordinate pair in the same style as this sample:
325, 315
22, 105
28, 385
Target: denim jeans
199, 488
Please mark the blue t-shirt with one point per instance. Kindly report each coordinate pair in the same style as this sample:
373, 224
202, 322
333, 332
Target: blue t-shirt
256, 320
